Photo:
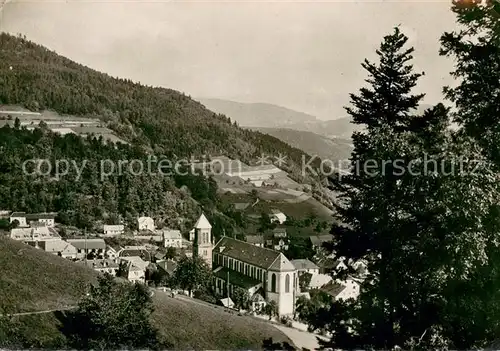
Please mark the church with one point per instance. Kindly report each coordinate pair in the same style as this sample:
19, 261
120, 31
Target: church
266, 274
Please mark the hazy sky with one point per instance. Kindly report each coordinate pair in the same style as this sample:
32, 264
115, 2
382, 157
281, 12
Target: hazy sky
301, 55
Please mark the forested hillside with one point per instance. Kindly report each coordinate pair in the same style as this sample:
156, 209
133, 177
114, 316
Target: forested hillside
86, 195
166, 121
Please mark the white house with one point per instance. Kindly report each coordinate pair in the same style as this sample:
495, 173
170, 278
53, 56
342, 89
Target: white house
47, 219
342, 290
146, 223
97, 247
38, 233
20, 217
258, 270
319, 280
59, 247
112, 230
305, 266
111, 252
24, 220
104, 266
172, 238
277, 216
257, 240
136, 268
281, 245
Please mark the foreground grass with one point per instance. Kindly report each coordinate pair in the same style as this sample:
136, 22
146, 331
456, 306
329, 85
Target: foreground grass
32, 280
194, 325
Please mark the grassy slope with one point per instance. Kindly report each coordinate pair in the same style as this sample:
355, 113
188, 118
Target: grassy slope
32, 280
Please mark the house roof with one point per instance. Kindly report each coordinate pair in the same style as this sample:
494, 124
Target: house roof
318, 240
254, 239
53, 246
203, 223
35, 216
329, 263
168, 266
319, 280
91, 244
142, 253
172, 234
145, 220
102, 263
333, 288
304, 264
236, 278
136, 261
18, 214
246, 252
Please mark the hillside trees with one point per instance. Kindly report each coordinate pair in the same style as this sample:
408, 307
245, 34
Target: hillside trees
113, 316
163, 120
422, 223
192, 274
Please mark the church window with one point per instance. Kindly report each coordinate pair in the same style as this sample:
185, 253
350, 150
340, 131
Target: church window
246, 269
287, 283
241, 267
273, 282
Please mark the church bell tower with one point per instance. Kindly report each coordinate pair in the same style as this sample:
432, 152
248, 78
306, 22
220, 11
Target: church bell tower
202, 246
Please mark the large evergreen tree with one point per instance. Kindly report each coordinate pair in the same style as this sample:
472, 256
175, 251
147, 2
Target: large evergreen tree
422, 220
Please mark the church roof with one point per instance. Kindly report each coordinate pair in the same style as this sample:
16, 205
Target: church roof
282, 264
248, 253
203, 223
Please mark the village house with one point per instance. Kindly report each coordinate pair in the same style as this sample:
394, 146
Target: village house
60, 248
85, 247
257, 240
328, 265
167, 266
281, 245
136, 251
103, 265
257, 270
319, 280
279, 232
33, 235
112, 252
113, 230
172, 238
24, 219
277, 216
342, 290
305, 266
45, 218
135, 268
146, 223
20, 217
317, 241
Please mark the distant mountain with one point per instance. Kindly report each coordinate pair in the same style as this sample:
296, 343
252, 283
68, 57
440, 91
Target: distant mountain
272, 116
334, 149
257, 114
